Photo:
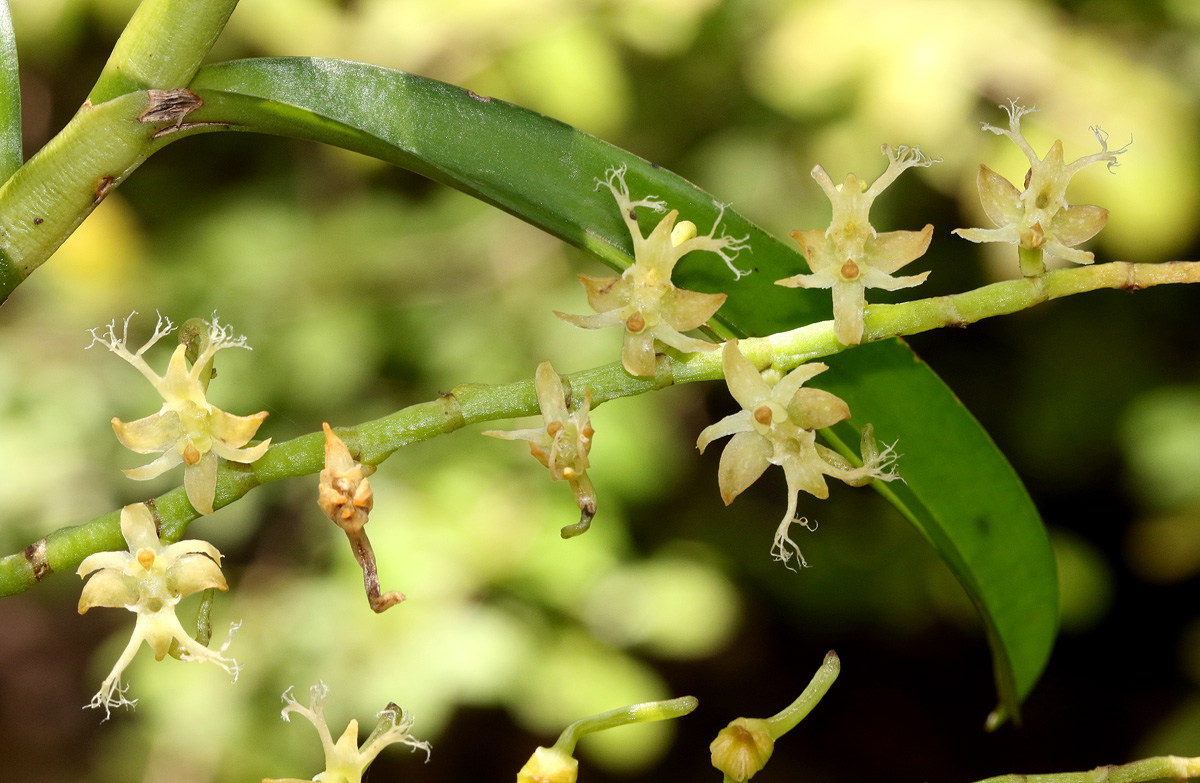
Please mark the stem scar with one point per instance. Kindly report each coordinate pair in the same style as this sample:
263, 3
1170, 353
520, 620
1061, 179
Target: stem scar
102, 188
35, 553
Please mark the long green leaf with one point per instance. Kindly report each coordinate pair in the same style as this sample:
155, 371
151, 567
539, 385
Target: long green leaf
960, 491
989, 534
10, 97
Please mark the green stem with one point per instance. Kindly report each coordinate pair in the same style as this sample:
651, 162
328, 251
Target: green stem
112, 133
1032, 263
10, 97
1156, 768
798, 710
162, 46
375, 440
647, 712
48, 197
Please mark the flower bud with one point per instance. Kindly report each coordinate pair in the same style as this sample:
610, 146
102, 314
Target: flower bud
742, 748
549, 765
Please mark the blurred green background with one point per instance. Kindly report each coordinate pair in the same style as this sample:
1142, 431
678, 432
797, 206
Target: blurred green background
363, 289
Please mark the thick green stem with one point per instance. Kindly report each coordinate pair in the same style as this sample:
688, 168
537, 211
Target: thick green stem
138, 97
162, 46
48, 197
10, 97
1156, 768
375, 440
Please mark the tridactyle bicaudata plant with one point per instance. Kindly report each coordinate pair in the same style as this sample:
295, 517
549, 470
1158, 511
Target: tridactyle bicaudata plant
643, 300
850, 256
187, 429
562, 443
777, 426
150, 579
345, 760
1038, 219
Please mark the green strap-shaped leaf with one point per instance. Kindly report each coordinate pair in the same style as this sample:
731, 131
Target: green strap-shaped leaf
963, 496
10, 97
960, 491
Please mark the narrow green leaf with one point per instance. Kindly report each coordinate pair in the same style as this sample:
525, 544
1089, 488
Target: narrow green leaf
10, 97
964, 497
960, 491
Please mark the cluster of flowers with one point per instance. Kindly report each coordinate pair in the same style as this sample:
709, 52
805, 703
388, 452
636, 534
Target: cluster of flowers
778, 420
776, 425
153, 576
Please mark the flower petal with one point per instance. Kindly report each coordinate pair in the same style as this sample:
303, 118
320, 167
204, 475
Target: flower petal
786, 389
200, 483
814, 409
99, 560
235, 431
803, 468
137, 525
745, 382
192, 573
550, 394
891, 250
156, 468
742, 462
109, 588
872, 278
245, 456
637, 353
1001, 200
848, 304
153, 433
818, 250
606, 293
685, 310
681, 342
1075, 256
1078, 224
737, 422
594, 321
190, 545
1008, 233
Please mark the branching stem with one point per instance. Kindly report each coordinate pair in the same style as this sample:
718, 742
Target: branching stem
375, 440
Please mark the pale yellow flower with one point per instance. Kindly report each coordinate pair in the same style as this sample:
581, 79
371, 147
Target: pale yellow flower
562, 443
850, 256
187, 429
643, 300
777, 426
345, 761
150, 579
1039, 216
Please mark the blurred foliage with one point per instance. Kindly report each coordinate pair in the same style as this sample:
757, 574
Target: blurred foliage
364, 289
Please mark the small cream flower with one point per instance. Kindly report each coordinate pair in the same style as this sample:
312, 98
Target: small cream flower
643, 300
1039, 217
150, 579
345, 761
850, 256
562, 443
187, 428
345, 495
777, 426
